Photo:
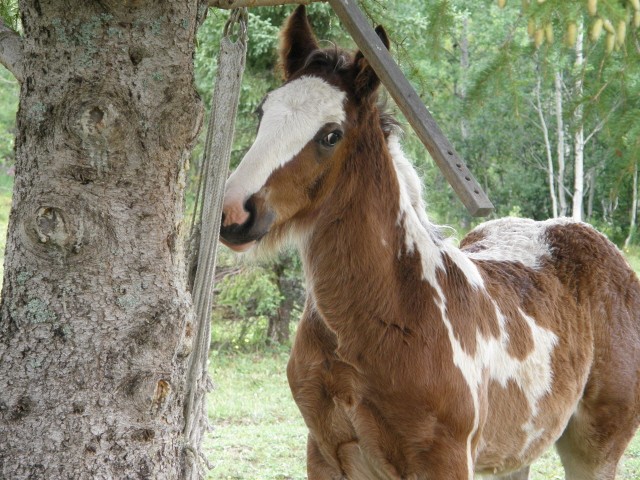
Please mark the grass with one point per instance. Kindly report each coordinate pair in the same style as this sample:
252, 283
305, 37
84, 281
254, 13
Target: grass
258, 433
633, 256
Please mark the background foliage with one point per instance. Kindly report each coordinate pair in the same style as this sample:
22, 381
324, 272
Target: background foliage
478, 69
481, 69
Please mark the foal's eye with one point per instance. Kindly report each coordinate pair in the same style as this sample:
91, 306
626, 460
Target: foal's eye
331, 139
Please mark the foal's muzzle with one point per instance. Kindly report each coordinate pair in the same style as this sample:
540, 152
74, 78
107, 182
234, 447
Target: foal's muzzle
239, 237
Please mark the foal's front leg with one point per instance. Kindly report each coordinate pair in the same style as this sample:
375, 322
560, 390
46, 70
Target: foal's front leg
317, 466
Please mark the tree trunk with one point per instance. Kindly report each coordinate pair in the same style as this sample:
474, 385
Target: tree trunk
634, 207
578, 137
547, 144
278, 329
279, 325
591, 190
562, 197
464, 74
96, 318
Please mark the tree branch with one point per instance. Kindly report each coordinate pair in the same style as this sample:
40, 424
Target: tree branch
229, 4
11, 51
602, 123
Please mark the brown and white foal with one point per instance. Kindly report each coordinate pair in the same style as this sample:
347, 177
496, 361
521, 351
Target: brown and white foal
416, 359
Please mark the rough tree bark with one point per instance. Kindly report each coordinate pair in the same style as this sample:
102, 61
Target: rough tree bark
95, 316
590, 178
230, 4
11, 51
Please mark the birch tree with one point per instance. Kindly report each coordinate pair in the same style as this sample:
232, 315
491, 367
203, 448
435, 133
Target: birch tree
578, 136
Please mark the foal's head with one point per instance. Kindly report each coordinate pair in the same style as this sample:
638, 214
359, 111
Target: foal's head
306, 127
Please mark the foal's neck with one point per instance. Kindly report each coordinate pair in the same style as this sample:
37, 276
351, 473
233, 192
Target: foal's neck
357, 260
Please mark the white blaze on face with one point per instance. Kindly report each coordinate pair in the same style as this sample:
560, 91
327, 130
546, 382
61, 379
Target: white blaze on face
292, 115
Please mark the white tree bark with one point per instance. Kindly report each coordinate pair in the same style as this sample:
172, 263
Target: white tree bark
547, 144
561, 148
633, 215
591, 191
578, 137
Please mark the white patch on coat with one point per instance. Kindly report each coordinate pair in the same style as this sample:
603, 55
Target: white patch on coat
533, 375
410, 184
292, 115
514, 240
420, 233
504, 240
423, 236
468, 366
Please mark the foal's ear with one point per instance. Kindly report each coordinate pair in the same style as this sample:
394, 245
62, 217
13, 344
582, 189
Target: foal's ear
367, 82
297, 41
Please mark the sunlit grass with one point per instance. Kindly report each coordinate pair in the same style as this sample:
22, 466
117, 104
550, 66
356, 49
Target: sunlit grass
633, 256
257, 431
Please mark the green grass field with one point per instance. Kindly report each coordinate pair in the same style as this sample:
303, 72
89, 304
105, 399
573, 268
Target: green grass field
257, 431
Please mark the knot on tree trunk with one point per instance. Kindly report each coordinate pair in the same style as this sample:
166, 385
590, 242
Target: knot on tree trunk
148, 393
68, 230
50, 227
180, 118
98, 117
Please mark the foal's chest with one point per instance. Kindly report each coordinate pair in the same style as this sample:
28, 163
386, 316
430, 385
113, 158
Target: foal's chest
357, 429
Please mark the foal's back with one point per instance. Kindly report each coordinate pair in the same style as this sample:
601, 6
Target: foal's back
577, 285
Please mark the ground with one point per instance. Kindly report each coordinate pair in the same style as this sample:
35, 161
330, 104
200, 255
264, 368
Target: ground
257, 431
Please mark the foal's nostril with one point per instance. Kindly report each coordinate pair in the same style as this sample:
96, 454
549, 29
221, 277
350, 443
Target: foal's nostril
249, 206
234, 213
245, 222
